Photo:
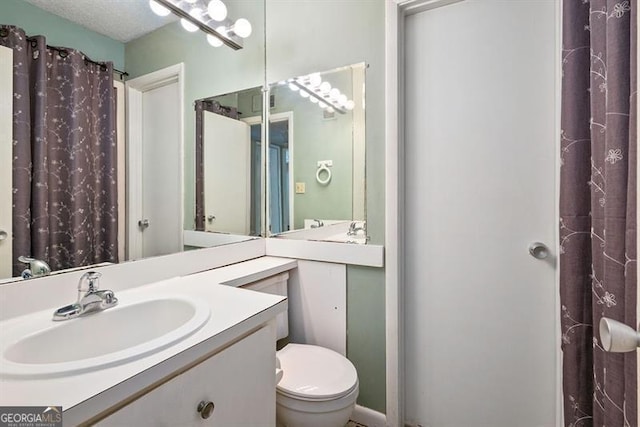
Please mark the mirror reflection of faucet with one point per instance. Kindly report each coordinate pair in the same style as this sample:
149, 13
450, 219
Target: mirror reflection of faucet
357, 227
318, 223
37, 267
90, 299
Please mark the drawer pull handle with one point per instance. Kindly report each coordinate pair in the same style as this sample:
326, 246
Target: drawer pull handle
206, 409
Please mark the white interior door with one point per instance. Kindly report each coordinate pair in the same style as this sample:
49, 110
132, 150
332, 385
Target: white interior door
227, 174
480, 106
161, 171
6, 164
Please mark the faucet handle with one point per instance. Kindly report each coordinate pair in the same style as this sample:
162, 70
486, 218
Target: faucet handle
92, 278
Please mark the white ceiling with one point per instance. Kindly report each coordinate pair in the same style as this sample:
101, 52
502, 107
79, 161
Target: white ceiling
122, 20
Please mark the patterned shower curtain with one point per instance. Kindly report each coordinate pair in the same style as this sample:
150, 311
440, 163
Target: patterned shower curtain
598, 196
64, 155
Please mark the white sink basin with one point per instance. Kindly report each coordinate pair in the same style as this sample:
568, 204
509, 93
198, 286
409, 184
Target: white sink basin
37, 347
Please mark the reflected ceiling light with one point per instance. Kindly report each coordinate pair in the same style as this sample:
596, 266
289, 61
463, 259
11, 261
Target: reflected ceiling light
214, 41
315, 80
217, 10
210, 16
158, 9
242, 28
321, 93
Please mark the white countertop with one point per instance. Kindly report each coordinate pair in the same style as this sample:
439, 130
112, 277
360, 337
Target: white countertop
234, 313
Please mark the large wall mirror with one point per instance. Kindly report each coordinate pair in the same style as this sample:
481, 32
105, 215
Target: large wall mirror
316, 156
315, 178
167, 220
225, 185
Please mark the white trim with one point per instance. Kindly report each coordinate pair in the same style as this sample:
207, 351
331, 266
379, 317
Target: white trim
394, 324
558, 127
368, 417
340, 253
134, 89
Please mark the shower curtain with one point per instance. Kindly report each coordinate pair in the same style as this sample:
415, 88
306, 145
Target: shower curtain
64, 155
598, 196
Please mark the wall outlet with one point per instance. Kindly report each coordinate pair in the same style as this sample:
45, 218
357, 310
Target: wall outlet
300, 188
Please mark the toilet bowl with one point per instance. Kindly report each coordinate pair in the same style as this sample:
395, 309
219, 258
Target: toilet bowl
319, 387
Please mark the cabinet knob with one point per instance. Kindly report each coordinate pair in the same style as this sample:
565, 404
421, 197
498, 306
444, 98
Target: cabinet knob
206, 409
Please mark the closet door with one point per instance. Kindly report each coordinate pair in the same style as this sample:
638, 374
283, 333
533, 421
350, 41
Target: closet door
481, 333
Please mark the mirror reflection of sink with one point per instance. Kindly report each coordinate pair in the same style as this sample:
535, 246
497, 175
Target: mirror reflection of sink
37, 347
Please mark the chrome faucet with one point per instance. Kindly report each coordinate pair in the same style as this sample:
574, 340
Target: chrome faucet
37, 267
354, 228
90, 299
318, 224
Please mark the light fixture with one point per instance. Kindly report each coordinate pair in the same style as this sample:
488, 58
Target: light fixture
321, 93
209, 16
158, 9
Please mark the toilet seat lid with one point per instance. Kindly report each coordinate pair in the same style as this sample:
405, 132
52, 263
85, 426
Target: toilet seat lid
317, 373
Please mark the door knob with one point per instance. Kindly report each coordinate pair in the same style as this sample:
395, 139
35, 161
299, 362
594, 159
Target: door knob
538, 250
143, 223
616, 337
3, 235
206, 409
211, 218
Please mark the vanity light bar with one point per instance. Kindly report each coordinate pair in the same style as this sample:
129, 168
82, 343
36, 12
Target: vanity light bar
321, 98
231, 40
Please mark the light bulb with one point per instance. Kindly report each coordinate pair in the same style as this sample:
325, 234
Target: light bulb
214, 41
242, 28
325, 87
188, 25
197, 14
330, 110
158, 9
304, 94
293, 87
334, 94
315, 79
313, 99
342, 99
349, 105
322, 105
217, 10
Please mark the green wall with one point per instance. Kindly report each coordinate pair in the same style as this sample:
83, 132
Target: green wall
304, 36
61, 32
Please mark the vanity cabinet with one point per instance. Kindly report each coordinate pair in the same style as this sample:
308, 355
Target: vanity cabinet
239, 381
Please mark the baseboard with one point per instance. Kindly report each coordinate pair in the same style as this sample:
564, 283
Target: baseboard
368, 417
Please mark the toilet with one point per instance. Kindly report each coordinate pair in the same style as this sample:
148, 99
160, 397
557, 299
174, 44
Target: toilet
316, 386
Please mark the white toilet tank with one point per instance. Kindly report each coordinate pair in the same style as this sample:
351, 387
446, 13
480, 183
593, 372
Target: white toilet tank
275, 285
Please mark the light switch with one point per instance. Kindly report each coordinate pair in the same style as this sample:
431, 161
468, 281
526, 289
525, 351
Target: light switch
300, 188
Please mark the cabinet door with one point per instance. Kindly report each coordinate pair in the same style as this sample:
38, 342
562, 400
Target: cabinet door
240, 381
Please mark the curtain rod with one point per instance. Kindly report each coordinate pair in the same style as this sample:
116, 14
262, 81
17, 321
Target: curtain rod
64, 52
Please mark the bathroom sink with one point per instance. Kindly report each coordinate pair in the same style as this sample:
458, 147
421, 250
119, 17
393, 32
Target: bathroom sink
37, 347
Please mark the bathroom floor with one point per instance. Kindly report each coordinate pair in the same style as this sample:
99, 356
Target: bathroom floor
354, 424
